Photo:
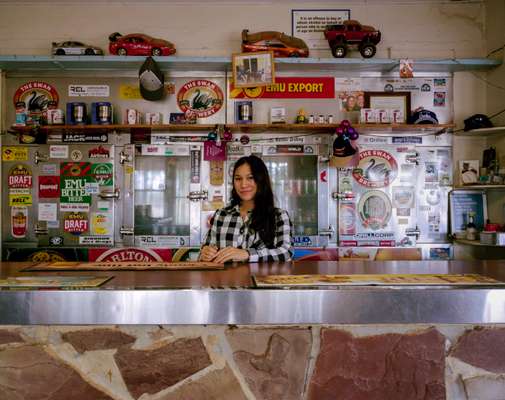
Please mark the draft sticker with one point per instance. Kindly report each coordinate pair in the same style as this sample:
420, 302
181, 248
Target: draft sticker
20, 177
75, 223
376, 169
374, 209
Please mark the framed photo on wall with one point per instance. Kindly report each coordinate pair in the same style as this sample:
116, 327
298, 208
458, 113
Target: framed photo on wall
253, 69
389, 101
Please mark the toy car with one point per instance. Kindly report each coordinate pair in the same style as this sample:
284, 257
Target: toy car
281, 44
138, 44
351, 32
75, 48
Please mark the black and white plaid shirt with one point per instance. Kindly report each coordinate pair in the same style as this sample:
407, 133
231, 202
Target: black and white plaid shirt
228, 229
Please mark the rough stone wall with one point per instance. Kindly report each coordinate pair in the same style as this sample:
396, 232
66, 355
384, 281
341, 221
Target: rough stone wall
462, 362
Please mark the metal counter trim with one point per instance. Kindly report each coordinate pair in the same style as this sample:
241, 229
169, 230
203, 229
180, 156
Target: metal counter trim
265, 307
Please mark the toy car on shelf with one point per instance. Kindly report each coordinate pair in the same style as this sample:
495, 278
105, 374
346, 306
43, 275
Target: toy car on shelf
139, 44
351, 32
74, 48
281, 44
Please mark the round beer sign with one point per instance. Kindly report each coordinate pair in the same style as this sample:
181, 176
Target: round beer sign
201, 97
376, 169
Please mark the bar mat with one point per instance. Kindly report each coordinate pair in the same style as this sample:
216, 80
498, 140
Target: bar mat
124, 266
59, 282
375, 280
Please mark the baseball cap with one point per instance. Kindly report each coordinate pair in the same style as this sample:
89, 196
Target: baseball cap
151, 80
477, 121
424, 117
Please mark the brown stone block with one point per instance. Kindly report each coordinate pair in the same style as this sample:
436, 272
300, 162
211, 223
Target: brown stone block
483, 348
9, 337
28, 372
149, 371
272, 361
216, 385
97, 339
390, 366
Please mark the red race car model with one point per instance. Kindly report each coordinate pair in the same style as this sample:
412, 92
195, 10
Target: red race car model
281, 44
138, 44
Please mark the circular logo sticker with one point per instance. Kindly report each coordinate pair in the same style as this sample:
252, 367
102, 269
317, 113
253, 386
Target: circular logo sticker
36, 95
202, 97
376, 169
374, 209
76, 155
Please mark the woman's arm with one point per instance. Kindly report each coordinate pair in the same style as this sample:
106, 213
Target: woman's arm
209, 247
283, 242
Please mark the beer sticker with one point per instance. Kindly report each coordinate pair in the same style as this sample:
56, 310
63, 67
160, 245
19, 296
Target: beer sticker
376, 169
75, 223
103, 174
50, 169
76, 155
49, 187
20, 199
15, 154
374, 209
73, 190
99, 152
200, 97
58, 151
20, 177
19, 221
101, 223
75, 169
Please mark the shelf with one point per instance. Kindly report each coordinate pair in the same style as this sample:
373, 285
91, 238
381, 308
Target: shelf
484, 132
107, 63
483, 187
364, 129
475, 243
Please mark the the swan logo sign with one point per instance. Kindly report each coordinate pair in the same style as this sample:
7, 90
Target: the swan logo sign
376, 169
201, 97
36, 95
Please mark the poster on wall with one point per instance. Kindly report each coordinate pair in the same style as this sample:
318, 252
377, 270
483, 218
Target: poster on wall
309, 25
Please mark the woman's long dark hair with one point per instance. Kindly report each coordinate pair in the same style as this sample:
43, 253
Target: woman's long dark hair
263, 215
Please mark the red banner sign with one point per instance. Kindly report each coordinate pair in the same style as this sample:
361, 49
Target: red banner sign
289, 88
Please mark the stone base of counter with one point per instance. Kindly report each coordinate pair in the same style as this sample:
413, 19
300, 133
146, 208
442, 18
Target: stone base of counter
335, 362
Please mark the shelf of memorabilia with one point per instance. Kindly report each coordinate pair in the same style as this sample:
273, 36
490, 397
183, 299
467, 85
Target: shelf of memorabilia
364, 129
483, 132
480, 187
475, 243
25, 63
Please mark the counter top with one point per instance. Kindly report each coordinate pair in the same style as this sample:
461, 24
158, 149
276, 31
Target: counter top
228, 297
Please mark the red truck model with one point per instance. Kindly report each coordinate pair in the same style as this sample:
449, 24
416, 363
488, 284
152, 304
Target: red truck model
351, 32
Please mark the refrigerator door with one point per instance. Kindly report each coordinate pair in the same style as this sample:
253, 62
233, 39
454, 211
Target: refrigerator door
433, 186
164, 215
377, 199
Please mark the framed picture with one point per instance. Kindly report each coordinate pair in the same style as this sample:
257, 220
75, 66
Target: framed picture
389, 101
253, 69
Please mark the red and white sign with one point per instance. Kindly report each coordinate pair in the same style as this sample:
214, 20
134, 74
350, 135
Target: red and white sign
76, 223
49, 187
130, 254
36, 95
289, 88
20, 177
201, 97
376, 169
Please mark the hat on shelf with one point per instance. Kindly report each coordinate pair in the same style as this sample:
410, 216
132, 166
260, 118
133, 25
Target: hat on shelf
477, 121
151, 80
422, 116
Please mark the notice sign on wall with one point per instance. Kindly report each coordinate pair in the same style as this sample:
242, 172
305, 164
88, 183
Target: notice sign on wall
309, 25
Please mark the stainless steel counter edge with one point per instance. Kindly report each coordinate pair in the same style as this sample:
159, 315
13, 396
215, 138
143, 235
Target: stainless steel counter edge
277, 307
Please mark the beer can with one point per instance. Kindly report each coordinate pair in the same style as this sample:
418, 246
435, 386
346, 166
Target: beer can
19, 221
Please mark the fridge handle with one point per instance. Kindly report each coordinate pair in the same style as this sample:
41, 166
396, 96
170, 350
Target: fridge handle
327, 232
109, 195
124, 157
39, 157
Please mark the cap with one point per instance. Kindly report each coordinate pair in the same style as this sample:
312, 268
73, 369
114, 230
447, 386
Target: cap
151, 80
424, 117
477, 121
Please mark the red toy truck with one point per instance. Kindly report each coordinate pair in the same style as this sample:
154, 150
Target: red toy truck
351, 32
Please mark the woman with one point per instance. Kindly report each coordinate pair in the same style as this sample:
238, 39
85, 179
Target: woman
250, 228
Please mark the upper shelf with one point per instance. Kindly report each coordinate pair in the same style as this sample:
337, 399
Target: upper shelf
107, 63
484, 132
375, 129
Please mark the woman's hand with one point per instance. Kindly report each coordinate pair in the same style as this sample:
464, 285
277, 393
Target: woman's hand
208, 253
231, 254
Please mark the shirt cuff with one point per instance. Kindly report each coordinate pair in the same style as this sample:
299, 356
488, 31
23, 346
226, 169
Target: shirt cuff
253, 255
